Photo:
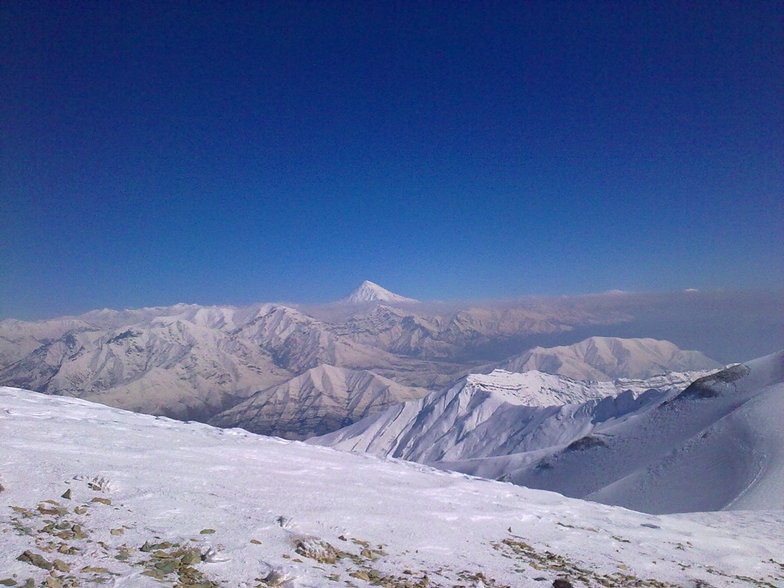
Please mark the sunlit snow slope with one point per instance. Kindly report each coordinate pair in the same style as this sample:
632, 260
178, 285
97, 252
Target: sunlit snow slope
100, 496
500, 414
649, 444
717, 445
607, 358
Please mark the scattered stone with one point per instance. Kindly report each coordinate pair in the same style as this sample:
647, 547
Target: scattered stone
274, 578
52, 582
154, 574
255, 541
35, 560
207, 531
67, 494
8, 582
61, 566
360, 575
166, 566
80, 510
366, 553
317, 549
94, 570
192, 557
561, 583
106, 501
117, 531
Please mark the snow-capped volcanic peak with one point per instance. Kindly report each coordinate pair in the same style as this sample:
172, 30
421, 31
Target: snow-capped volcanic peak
370, 292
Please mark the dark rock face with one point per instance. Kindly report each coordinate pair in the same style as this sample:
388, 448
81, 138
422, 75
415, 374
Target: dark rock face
713, 385
586, 442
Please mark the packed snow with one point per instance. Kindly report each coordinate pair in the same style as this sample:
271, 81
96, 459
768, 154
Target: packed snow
100, 496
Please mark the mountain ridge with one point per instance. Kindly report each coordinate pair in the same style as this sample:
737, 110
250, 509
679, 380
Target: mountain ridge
607, 358
696, 442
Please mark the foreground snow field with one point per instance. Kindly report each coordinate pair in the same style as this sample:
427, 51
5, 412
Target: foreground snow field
100, 496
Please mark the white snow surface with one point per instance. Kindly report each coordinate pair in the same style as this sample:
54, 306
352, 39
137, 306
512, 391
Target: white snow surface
607, 358
168, 481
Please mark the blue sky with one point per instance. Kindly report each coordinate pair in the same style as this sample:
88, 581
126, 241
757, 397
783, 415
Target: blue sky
208, 152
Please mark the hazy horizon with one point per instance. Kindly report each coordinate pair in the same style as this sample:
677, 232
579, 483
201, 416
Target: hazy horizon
287, 151
726, 326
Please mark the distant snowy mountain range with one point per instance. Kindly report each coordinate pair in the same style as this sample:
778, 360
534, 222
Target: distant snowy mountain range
607, 358
296, 372
322, 399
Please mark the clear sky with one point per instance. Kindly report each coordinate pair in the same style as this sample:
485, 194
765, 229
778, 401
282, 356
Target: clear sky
235, 152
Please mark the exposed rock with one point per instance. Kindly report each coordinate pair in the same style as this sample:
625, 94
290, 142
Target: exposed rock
317, 549
35, 560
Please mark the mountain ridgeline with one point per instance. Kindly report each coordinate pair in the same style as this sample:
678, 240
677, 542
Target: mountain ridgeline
680, 442
296, 371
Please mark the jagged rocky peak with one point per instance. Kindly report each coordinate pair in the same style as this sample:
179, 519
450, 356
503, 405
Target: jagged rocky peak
371, 292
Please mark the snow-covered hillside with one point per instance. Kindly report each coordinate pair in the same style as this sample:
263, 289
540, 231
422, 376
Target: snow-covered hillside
98, 496
499, 414
658, 446
321, 400
717, 445
607, 358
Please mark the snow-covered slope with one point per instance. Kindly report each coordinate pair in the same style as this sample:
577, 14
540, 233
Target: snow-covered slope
658, 446
717, 445
370, 292
499, 414
100, 496
323, 399
607, 358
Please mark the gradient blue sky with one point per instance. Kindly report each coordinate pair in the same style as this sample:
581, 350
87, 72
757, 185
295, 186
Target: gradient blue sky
231, 152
